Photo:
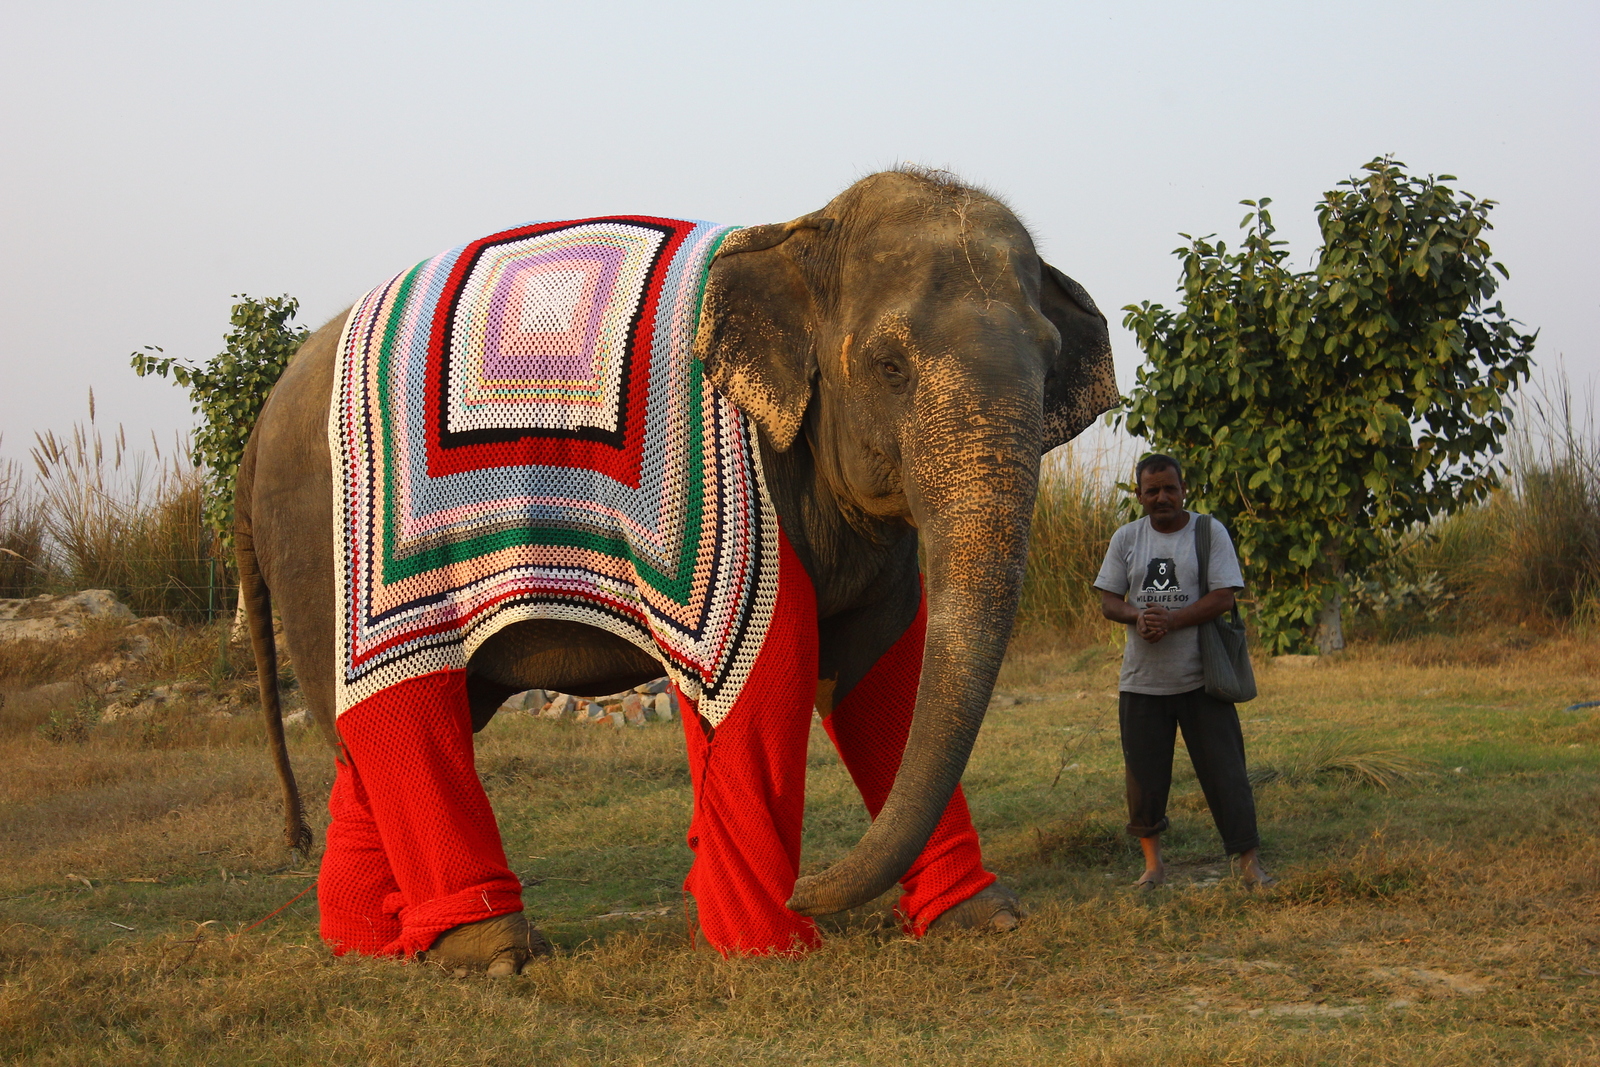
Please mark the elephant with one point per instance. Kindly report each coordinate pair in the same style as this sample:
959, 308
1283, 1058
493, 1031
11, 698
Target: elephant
905, 358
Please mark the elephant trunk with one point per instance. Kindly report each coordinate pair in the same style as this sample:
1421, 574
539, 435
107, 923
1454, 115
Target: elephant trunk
971, 493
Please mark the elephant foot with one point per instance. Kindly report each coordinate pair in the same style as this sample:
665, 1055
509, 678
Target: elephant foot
499, 947
996, 908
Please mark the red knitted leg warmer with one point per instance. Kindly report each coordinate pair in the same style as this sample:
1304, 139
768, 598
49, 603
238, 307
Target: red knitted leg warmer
415, 795
869, 728
355, 879
749, 787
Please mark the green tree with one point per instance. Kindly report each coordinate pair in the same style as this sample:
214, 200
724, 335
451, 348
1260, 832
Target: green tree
1318, 412
229, 390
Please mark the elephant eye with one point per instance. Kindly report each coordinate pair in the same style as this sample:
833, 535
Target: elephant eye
893, 373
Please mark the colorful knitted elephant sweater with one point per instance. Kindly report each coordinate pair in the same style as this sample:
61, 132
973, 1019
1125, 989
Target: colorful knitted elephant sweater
521, 432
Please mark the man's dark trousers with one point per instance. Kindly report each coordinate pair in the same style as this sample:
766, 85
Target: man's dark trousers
1216, 748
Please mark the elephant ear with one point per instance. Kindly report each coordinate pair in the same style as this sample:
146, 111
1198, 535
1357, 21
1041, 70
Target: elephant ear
757, 326
1082, 384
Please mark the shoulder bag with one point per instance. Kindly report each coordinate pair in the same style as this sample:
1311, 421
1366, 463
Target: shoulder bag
1224, 653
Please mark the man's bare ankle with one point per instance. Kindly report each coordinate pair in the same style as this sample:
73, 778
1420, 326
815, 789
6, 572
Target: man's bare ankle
1251, 872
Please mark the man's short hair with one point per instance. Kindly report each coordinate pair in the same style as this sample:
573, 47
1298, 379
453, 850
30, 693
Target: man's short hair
1156, 461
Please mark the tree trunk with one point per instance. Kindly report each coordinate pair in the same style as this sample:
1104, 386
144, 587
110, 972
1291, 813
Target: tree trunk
1330, 625
1330, 620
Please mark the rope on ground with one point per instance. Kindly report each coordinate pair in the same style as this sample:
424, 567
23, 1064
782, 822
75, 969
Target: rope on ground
276, 910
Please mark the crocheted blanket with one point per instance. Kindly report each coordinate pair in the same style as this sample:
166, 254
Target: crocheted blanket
521, 432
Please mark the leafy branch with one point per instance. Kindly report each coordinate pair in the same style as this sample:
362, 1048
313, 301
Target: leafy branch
229, 390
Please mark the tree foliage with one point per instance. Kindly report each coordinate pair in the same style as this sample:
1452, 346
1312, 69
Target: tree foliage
229, 390
1315, 411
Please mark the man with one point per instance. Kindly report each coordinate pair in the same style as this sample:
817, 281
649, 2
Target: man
1149, 581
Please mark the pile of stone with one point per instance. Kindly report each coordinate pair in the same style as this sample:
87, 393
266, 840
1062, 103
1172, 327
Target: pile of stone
648, 703
66, 616
97, 614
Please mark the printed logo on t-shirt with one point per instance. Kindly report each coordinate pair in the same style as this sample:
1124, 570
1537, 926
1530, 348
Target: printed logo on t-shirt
1161, 575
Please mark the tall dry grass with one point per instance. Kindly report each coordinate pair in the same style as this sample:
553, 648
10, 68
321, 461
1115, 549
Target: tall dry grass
1079, 506
24, 562
115, 518
1532, 551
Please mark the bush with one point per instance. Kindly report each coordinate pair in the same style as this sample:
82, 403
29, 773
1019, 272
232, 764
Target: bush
1401, 605
71, 725
1322, 413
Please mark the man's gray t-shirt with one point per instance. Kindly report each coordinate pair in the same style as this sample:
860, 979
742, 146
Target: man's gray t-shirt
1152, 567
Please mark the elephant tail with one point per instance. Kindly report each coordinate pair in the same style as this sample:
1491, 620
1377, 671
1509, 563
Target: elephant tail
257, 600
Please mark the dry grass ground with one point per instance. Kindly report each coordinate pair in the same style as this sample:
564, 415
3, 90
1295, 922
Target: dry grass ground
1447, 915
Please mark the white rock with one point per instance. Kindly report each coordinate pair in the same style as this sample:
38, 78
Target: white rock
588, 711
531, 701
665, 707
116, 712
177, 692
561, 706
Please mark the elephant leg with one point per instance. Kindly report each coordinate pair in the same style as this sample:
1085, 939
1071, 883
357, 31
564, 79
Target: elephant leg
749, 776
291, 511
410, 747
869, 728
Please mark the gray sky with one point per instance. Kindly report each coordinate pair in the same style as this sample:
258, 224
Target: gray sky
157, 158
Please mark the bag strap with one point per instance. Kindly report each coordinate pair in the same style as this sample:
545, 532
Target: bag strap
1202, 550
